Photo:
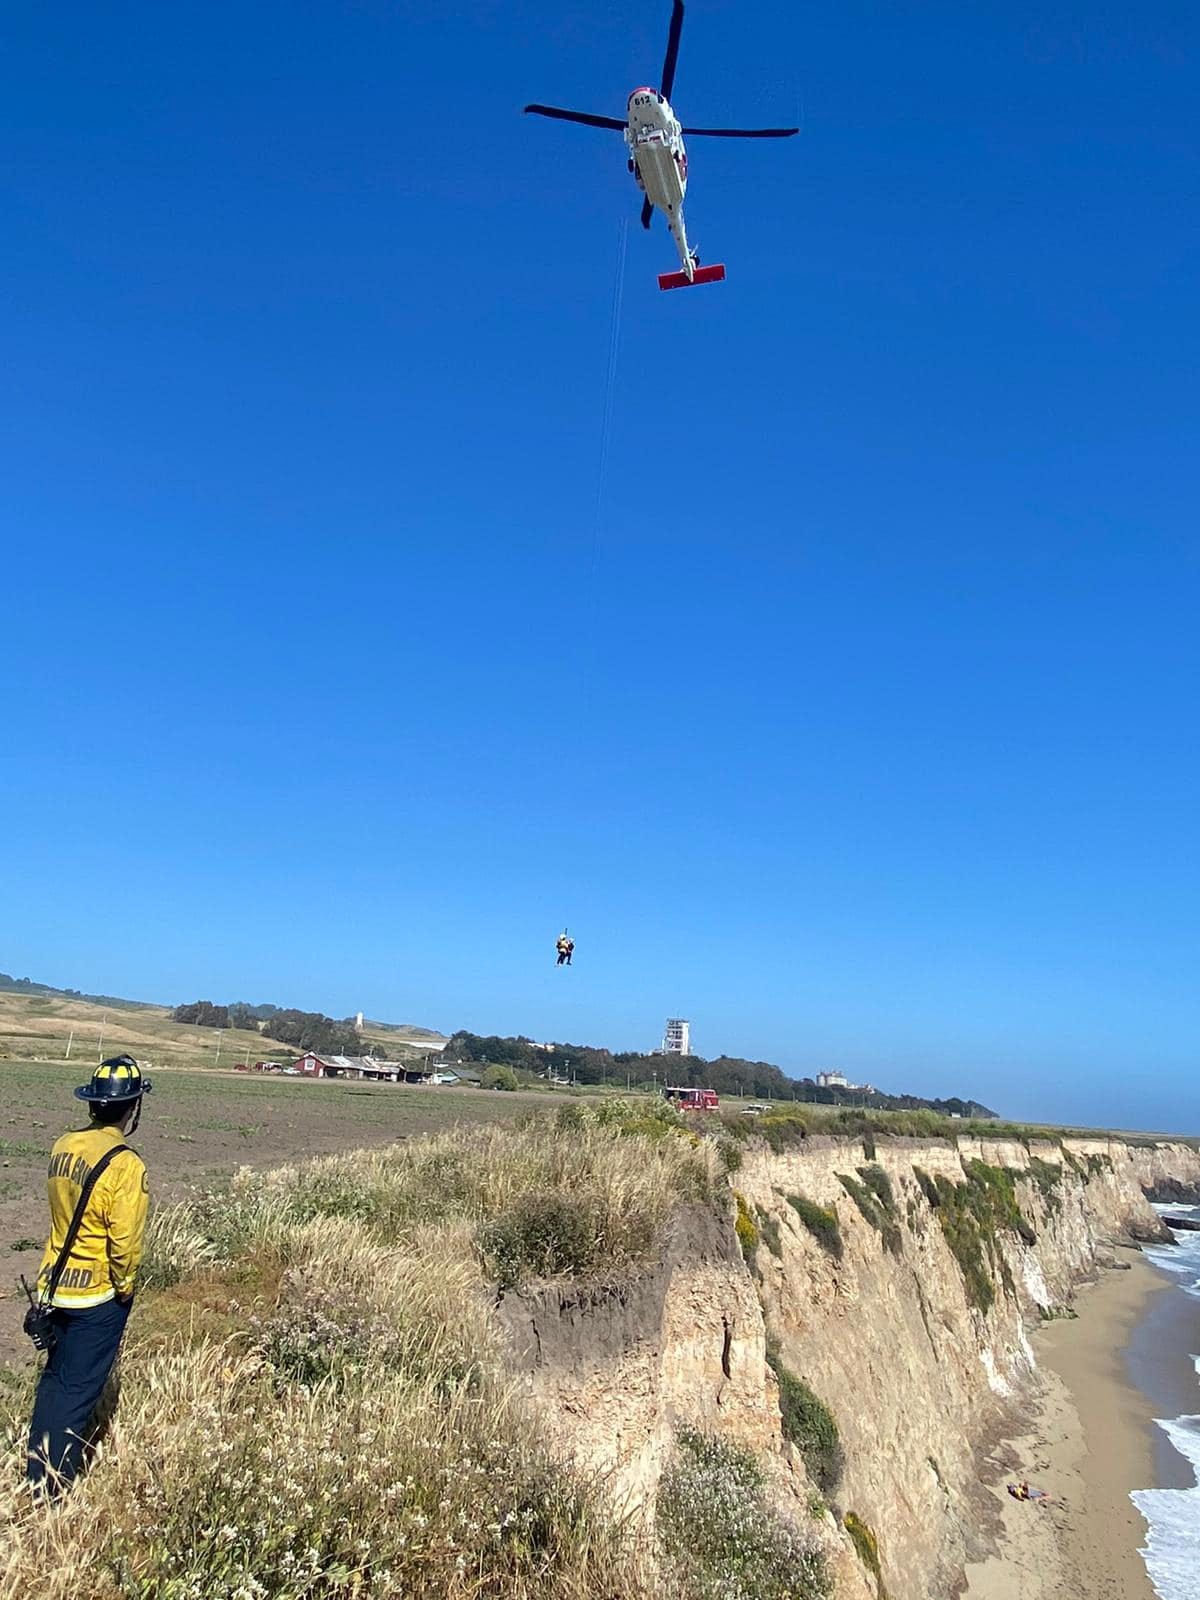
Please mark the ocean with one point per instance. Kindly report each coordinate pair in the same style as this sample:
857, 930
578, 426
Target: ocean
1172, 1549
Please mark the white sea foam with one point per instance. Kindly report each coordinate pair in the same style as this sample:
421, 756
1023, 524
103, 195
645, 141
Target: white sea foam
1181, 1260
1172, 1549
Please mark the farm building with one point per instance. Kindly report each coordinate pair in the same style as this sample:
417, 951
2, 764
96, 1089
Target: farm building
312, 1065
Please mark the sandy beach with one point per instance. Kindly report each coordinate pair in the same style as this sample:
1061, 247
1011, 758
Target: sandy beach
1090, 1442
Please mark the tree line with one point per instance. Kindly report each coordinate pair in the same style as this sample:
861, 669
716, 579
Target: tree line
728, 1075
306, 1030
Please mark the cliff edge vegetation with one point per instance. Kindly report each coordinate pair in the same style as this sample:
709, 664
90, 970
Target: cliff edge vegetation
600, 1355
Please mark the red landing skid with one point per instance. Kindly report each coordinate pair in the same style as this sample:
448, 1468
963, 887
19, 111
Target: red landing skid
680, 280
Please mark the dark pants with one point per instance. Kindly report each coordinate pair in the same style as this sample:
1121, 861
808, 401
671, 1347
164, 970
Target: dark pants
85, 1347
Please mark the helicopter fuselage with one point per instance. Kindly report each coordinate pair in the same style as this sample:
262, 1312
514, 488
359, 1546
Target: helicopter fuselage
658, 161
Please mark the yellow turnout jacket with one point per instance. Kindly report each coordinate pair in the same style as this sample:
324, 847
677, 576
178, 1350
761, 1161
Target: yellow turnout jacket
108, 1247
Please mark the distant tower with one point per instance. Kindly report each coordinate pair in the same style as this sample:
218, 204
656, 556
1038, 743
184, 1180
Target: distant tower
358, 1022
677, 1041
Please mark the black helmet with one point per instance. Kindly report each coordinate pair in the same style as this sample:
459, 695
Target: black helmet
117, 1079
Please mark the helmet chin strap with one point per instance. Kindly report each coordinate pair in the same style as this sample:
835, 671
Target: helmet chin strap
137, 1116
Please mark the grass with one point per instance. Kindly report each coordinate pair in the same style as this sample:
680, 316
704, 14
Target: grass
538, 1201
808, 1424
318, 1405
719, 1536
821, 1222
22, 1150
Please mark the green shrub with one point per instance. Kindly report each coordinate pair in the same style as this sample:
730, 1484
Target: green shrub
541, 1236
1072, 1161
862, 1536
971, 1215
747, 1229
928, 1187
1047, 1176
880, 1185
1001, 1204
500, 1078
809, 1425
782, 1130
873, 1209
821, 1223
719, 1535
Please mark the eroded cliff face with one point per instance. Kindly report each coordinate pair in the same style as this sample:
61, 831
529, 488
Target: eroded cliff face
912, 1331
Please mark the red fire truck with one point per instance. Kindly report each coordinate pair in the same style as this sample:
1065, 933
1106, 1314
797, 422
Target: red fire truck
693, 1099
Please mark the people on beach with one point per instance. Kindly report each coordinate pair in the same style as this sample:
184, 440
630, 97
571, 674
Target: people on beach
1026, 1491
98, 1198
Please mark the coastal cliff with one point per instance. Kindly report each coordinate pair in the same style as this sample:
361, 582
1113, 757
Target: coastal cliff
891, 1287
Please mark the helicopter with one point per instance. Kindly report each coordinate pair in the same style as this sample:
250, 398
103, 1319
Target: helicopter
657, 157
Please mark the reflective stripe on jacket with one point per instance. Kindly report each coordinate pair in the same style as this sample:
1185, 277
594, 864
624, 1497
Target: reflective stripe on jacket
108, 1248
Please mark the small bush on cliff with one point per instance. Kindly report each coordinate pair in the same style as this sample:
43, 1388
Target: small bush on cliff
1047, 1176
881, 1218
880, 1185
747, 1230
821, 1223
863, 1538
719, 1536
809, 1425
540, 1236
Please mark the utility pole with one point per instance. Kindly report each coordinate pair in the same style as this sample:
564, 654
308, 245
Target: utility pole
217, 1060
70, 1042
100, 1046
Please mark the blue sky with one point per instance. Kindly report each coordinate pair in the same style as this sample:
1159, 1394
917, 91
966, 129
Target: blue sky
861, 725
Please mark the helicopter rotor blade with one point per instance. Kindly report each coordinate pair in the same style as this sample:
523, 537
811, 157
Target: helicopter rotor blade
740, 133
586, 117
672, 55
647, 212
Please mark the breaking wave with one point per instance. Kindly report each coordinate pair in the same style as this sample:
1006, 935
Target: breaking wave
1172, 1549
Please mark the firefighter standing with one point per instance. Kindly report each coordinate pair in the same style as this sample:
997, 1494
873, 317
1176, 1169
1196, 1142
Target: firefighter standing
95, 1289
